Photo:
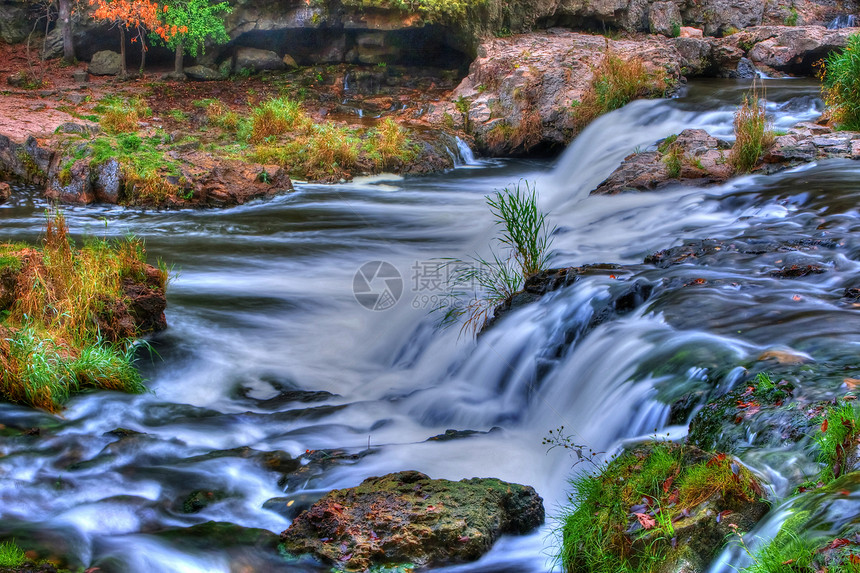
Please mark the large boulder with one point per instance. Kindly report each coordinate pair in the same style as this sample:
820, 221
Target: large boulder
407, 517
202, 73
256, 60
14, 26
664, 18
105, 63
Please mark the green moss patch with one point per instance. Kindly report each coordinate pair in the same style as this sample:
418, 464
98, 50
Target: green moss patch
654, 506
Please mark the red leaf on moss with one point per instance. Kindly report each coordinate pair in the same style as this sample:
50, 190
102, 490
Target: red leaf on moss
646, 521
836, 544
824, 426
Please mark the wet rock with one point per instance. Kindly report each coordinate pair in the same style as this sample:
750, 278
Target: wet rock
699, 159
107, 181
797, 271
5, 192
105, 63
200, 499
256, 60
293, 505
71, 183
219, 534
202, 73
459, 434
407, 517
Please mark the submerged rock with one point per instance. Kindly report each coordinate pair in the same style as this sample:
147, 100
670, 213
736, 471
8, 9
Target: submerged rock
407, 517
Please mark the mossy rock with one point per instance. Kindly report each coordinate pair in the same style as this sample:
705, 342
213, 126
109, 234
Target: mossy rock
658, 507
408, 518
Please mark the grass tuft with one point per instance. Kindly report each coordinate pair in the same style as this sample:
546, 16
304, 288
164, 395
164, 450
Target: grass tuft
616, 83
11, 555
277, 116
753, 136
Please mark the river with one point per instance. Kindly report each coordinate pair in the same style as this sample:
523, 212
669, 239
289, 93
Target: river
264, 322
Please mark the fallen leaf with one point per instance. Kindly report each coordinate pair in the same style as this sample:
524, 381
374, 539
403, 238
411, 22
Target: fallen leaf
646, 521
836, 544
824, 426
852, 383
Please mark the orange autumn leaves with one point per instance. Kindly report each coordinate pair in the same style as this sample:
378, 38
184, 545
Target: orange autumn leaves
136, 14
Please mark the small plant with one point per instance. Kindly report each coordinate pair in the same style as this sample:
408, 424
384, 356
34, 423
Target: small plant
11, 555
119, 115
792, 18
840, 75
177, 114
392, 145
676, 29
838, 440
525, 235
673, 159
752, 134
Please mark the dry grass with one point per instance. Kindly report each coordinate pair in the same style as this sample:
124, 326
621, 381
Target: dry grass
753, 136
616, 82
122, 115
51, 345
276, 117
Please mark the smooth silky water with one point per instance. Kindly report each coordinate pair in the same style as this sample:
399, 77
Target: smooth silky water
261, 302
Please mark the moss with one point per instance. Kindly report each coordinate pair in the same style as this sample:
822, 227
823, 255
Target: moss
624, 518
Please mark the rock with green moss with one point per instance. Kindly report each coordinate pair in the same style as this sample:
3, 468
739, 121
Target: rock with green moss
408, 518
659, 507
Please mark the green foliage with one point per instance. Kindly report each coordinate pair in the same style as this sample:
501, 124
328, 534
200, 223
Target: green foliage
676, 29
202, 21
752, 134
430, 10
837, 442
275, 117
601, 531
121, 115
673, 158
145, 167
389, 145
11, 555
793, 15
524, 228
841, 78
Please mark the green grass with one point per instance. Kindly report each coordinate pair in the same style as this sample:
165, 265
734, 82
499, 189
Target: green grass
275, 117
389, 145
753, 136
596, 534
121, 115
11, 555
430, 10
476, 287
840, 76
52, 343
673, 158
144, 166
837, 440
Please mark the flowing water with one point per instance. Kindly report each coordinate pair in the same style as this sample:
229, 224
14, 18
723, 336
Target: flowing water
268, 347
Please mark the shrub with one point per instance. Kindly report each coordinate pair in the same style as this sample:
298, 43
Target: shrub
616, 83
840, 75
752, 134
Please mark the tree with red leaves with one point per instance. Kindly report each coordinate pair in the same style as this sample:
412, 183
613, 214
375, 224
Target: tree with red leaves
138, 16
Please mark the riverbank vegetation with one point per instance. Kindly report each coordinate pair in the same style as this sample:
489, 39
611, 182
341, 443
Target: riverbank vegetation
840, 76
627, 516
67, 316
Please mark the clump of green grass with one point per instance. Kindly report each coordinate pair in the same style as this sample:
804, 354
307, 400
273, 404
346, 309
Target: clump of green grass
52, 344
121, 115
753, 135
838, 440
673, 158
840, 76
219, 114
390, 145
275, 117
616, 83
327, 151
607, 528
11, 555
526, 237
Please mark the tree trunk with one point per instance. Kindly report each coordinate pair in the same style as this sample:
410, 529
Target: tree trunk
142, 50
66, 24
177, 63
123, 69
